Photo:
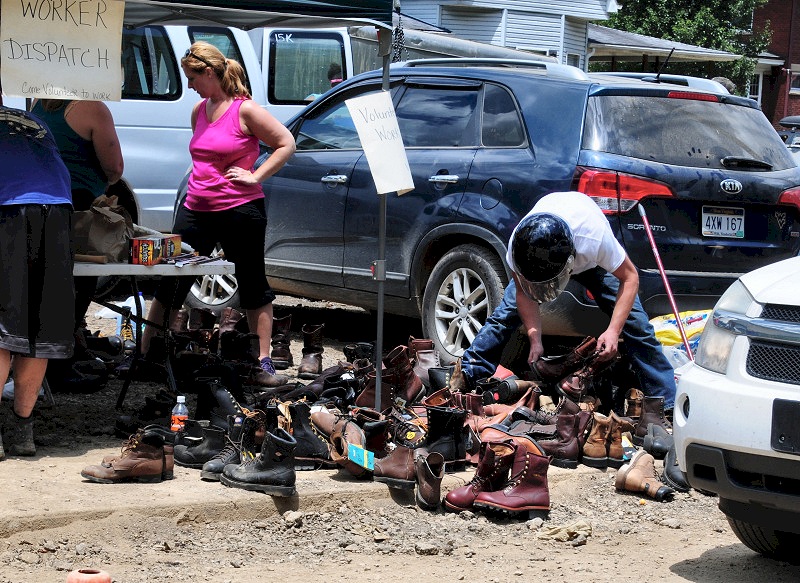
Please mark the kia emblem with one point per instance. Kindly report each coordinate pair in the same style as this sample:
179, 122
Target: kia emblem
730, 186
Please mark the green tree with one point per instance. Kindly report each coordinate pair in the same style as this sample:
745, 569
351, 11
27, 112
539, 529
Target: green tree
713, 24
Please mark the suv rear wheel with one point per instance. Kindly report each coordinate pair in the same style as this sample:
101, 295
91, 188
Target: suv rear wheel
463, 289
768, 542
214, 292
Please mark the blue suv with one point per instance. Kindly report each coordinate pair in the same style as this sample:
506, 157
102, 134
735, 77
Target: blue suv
484, 141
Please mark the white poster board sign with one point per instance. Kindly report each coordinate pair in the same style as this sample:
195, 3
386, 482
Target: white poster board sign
377, 128
62, 49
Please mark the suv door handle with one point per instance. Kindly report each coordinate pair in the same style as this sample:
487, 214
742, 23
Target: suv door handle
334, 179
444, 178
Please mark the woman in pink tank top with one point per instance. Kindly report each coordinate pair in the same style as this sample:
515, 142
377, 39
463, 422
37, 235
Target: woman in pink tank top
225, 202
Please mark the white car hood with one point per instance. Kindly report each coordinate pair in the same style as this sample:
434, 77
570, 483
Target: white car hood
776, 283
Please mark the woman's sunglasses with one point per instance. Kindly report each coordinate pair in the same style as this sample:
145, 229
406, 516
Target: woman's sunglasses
189, 53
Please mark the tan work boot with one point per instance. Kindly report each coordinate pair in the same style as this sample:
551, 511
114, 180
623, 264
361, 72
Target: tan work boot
143, 459
595, 450
639, 475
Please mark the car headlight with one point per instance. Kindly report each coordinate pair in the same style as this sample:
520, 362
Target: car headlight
716, 342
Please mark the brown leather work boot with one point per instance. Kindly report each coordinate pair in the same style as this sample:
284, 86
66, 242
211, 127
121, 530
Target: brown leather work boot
400, 373
595, 450
633, 404
311, 362
424, 356
143, 459
430, 471
526, 489
652, 412
639, 475
554, 368
494, 465
397, 470
281, 354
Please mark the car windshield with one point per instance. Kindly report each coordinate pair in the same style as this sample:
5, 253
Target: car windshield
682, 132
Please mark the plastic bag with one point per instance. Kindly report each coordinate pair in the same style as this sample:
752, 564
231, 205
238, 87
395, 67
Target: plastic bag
668, 334
105, 229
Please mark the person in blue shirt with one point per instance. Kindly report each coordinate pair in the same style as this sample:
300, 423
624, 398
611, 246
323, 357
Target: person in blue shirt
36, 292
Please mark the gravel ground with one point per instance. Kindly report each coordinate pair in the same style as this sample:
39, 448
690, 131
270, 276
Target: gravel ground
341, 528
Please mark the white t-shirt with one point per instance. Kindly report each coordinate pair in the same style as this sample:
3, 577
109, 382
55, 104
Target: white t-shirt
595, 244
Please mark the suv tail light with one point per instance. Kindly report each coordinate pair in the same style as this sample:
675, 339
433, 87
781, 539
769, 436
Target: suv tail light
790, 196
692, 95
614, 192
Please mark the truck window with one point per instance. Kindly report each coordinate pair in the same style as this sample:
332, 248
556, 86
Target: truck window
222, 38
149, 67
303, 65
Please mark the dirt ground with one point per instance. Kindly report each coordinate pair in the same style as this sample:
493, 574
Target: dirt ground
337, 528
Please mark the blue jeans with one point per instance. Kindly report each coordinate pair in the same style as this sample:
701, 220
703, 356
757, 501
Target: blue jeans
653, 370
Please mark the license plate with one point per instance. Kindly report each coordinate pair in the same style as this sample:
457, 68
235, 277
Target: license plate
785, 436
719, 221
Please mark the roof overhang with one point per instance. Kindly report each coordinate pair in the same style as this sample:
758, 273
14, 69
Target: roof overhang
606, 44
249, 14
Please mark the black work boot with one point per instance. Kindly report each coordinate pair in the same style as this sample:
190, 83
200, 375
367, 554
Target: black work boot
19, 435
446, 435
195, 456
271, 471
230, 454
313, 448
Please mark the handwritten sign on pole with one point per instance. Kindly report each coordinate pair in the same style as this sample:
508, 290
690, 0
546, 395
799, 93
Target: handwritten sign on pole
59, 49
376, 123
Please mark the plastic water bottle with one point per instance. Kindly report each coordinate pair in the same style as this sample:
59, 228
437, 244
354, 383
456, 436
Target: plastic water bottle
180, 413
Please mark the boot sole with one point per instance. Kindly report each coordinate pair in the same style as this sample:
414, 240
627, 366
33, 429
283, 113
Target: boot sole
154, 479
396, 483
210, 476
272, 490
281, 364
510, 511
452, 508
566, 464
306, 464
600, 463
190, 466
616, 463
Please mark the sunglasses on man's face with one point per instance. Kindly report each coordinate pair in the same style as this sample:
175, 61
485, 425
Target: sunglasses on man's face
189, 53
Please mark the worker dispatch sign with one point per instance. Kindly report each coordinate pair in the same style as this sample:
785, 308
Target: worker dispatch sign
376, 123
61, 49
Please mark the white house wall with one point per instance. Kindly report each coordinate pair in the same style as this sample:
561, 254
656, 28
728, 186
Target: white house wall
556, 29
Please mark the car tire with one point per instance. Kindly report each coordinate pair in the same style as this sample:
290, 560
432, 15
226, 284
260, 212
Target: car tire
214, 292
766, 541
449, 317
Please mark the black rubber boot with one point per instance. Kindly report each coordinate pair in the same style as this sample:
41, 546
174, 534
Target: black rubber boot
271, 472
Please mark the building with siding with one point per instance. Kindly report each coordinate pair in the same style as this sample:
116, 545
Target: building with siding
555, 29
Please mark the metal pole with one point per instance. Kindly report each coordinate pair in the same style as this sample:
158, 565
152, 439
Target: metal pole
665, 280
379, 266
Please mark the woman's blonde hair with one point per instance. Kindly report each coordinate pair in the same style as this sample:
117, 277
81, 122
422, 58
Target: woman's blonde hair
229, 71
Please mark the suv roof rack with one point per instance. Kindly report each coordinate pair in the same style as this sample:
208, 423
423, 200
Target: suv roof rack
554, 69
685, 80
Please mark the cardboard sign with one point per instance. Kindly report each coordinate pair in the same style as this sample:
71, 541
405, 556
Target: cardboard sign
54, 49
376, 123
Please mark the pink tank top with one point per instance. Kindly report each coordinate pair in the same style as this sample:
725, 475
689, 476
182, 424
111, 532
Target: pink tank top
215, 147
